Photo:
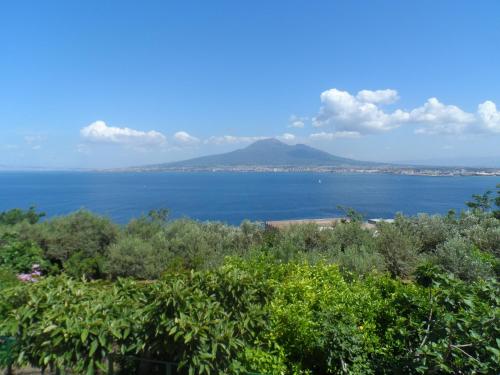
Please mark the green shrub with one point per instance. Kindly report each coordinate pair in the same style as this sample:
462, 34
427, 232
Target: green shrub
80, 265
201, 320
137, 258
360, 260
431, 231
351, 234
149, 225
321, 322
75, 324
20, 255
458, 256
496, 213
200, 245
262, 316
16, 215
484, 234
463, 330
82, 232
400, 250
8, 278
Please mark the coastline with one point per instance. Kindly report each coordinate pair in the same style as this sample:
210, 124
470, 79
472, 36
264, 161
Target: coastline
405, 171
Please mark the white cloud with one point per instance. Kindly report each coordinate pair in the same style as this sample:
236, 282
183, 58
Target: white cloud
363, 114
286, 137
99, 132
34, 141
344, 112
439, 118
387, 96
489, 116
324, 136
230, 139
297, 122
185, 138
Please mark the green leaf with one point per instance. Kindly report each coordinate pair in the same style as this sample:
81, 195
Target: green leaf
493, 350
102, 340
84, 335
90, 369
49, 328
93, 347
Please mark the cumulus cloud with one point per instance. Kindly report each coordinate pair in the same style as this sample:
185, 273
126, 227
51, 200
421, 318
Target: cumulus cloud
297, 122
185, 138
489, 116
99, 132
387, 96
345, 112
287, 137
325, 136
363, 113
440, 118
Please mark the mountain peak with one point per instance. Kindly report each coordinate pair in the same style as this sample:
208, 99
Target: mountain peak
266, 142
269, 152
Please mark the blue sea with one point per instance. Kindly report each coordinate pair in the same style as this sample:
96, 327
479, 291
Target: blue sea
233, 197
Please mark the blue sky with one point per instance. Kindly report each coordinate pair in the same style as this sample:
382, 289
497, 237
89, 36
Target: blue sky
117, 83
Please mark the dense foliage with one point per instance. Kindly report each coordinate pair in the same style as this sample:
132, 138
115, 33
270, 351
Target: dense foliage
419, 295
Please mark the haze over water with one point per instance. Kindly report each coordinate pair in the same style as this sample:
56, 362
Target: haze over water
233, 197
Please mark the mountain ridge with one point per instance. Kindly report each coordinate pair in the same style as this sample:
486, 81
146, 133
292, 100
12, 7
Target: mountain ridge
268, 152
272, 155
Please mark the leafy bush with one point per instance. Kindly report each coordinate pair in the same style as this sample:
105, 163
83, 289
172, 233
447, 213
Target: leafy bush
205, 320
321, 321
350, 234
81, 234
75, 324
431, 231
19, 255
459, 257
201, 245
223, 299
360, 260
80, 265
263, 316
134, 257
483, 232
17, 215
462, 331
400, 251
201, 320
146, 227
8, 278
496, 213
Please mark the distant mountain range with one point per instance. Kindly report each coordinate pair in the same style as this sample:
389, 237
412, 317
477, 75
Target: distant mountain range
267, 153
272, 155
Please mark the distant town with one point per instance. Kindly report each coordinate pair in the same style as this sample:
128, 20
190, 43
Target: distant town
407, 171
272, 155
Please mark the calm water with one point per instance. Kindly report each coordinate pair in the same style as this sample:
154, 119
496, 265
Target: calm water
232, 197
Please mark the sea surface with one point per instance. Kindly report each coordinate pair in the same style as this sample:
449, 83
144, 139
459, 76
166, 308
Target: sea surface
233, 197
